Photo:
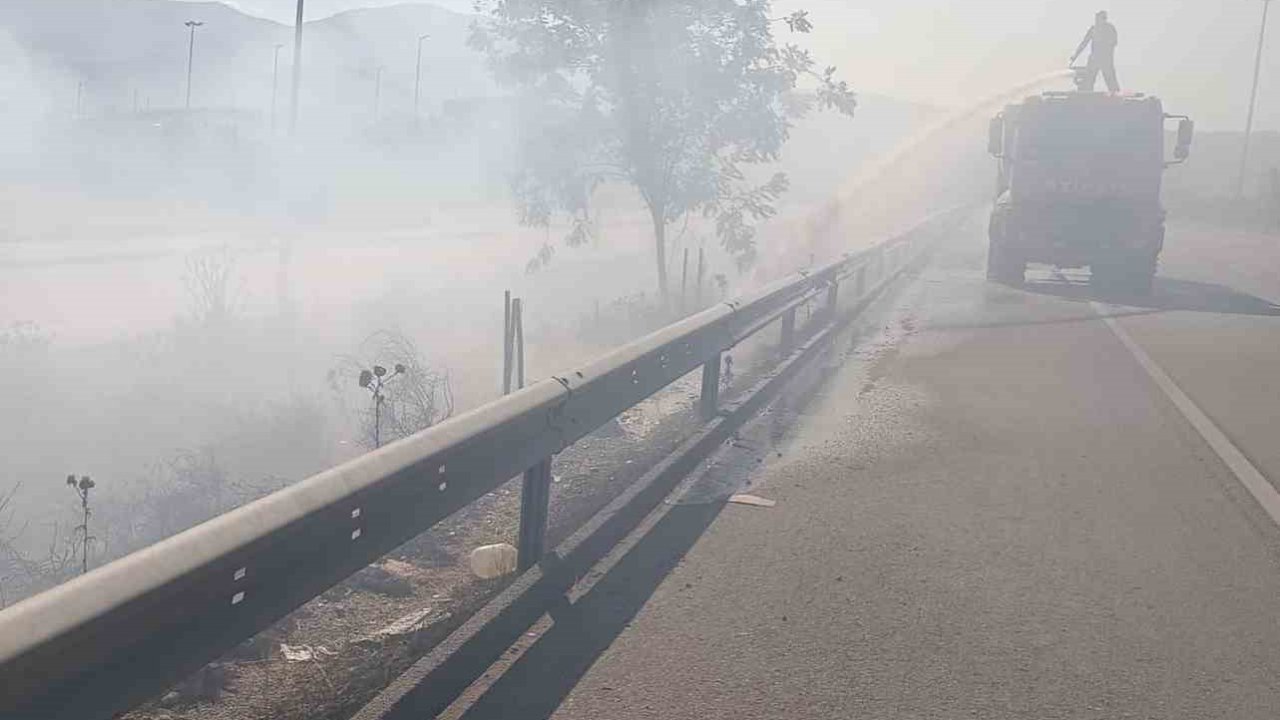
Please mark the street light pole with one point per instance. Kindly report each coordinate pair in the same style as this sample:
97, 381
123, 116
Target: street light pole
275, 84
191, 53
1253, 98
297, 69
417, 79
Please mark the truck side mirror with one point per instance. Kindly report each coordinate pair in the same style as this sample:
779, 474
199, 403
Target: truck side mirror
1186, 131
995, 136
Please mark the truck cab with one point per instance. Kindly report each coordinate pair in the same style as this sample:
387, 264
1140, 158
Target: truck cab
1079, 185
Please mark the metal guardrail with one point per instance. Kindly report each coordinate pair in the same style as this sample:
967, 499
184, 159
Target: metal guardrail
125, 632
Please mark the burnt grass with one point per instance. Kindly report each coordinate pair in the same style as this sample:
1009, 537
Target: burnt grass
429, 574
429, 578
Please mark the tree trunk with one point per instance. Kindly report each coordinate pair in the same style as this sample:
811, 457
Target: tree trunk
660, 249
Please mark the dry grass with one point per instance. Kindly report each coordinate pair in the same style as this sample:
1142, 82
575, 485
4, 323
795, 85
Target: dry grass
339, 626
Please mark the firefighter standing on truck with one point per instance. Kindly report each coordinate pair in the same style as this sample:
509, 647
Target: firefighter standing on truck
1102, 55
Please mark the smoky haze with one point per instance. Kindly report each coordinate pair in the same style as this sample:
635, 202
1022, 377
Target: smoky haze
1198, 56
201, 304
944, 53
186, 297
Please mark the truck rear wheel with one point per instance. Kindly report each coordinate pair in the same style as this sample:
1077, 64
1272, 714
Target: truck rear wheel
1002, 267
1141, 277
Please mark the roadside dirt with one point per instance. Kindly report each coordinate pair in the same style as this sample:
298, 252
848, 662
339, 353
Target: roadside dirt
351, 641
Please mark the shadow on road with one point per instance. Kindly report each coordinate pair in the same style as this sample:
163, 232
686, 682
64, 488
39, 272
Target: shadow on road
1166, 294
534, 686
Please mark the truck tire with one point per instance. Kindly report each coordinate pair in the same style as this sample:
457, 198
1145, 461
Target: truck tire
1145, 266
1107, 278
1002, 267
1132, 273
1141, 276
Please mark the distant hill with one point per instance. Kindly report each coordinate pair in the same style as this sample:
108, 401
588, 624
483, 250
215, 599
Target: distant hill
127, 49
135, 51
282, 11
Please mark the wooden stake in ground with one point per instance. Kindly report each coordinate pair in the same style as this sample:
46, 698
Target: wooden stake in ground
702, 267
684, 282
506, 342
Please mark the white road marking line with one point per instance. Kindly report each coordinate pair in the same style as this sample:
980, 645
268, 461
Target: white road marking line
1245, 471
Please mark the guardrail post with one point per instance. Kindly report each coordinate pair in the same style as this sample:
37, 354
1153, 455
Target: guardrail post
788, 329
506, 342
535, 498
709, 405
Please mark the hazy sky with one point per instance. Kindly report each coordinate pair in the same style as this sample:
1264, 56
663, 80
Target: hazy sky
1197, 54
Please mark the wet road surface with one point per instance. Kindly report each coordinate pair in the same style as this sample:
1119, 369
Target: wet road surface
993, 512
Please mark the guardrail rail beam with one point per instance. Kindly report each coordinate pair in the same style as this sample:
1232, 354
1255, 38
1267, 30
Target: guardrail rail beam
109, 640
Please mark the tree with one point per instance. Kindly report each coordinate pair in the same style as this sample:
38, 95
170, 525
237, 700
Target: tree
672, 97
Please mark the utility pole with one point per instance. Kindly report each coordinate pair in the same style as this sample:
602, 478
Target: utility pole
297, 70
191, 53
275, 83
377, 92
417, 80
1253, 98
80, 100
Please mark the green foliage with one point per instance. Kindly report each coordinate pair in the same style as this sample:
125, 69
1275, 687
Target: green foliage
672, 97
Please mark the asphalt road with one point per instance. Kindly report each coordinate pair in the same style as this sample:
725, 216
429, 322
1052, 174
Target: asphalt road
989, 510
